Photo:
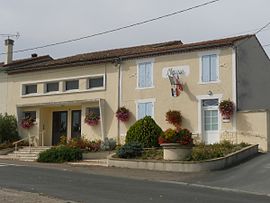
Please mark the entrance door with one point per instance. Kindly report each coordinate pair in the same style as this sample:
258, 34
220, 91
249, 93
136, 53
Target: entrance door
210, 120
59, 126
76, 123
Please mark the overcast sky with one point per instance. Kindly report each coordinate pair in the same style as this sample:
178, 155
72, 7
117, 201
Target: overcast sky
42, 22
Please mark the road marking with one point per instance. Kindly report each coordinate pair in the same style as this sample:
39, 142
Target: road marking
216, 188
7, 164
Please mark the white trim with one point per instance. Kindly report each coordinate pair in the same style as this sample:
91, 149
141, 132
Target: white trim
63, 82
61, 93
61, 79
234, 96
138, 62
205, 53
146, 60
96, 76
141, 101
200, 98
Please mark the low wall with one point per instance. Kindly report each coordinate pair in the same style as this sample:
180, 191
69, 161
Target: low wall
251, 127
186, 166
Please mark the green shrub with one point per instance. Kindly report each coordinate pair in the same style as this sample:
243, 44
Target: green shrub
144, 131
130, 150
60, 154
204, 152
8, 128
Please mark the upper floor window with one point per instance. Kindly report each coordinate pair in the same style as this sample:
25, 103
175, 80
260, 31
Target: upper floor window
145, 75
209, 68
52, 87
30, 89
96, 82
72, 85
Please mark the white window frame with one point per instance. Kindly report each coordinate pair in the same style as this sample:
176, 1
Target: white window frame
138, 62
93, 77
51, 92
142, 101
203, 97
23, 89
61, 86
206, 53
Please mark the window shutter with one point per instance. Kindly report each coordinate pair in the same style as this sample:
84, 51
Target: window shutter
213, 67
148, 74
141, 75
149, 109
205, 68
141, 110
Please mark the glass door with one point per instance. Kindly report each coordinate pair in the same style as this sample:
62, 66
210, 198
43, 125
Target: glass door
76, 123
210, 121
59, 126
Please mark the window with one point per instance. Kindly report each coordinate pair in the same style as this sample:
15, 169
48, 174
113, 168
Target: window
95, 82
209, 68
52, 87
94, 110
72, 85
30, 89
145, 109
31, 114
145, 75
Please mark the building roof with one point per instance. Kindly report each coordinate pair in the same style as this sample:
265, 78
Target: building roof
119, 54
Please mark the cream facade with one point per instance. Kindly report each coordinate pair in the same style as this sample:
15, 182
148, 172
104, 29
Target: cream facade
61, 97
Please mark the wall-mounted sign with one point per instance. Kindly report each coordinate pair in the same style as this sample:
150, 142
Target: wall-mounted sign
180, 70
174, 74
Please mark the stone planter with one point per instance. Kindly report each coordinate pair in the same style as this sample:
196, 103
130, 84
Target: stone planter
226, 119
175, 151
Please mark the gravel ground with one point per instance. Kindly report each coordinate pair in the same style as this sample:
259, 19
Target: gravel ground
11, 196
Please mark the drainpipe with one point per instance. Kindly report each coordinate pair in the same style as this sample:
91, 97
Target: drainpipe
119, 94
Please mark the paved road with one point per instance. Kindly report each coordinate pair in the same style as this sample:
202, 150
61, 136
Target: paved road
251, 176
78, 185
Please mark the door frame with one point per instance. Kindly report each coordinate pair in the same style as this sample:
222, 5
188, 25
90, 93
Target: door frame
200, 113
52, 140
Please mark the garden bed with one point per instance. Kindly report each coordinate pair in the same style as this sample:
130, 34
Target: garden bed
186, 166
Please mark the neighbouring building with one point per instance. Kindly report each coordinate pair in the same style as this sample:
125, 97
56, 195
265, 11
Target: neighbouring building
59, 93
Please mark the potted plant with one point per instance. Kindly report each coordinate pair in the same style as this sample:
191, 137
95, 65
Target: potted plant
122, 114
92, 118
175, 118
226, 108
28, 122
177, 144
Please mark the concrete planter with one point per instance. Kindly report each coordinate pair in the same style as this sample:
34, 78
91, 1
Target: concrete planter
176, 151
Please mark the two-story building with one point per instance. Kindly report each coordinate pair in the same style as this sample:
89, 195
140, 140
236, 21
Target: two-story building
60, 92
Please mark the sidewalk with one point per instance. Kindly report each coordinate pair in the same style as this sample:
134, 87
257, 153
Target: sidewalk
14, 196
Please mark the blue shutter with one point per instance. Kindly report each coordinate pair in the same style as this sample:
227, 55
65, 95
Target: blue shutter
205, 68
213, 70
149, 109
148, 75
141, 75
141, 110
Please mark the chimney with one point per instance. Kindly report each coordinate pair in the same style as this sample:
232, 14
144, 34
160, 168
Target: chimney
34, 55
9, 50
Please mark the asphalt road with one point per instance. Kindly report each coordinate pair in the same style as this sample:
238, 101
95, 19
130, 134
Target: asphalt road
78, 185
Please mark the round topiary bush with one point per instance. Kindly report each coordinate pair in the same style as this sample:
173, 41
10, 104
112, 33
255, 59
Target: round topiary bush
144, 131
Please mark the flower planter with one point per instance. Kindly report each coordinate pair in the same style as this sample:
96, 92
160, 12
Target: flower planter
176, 151
226, 119
92, 122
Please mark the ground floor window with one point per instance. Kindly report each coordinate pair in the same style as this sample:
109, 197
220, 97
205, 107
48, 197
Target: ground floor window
31, 114
145, 108
94, 110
